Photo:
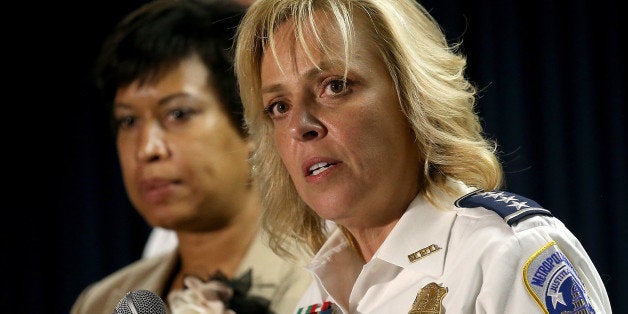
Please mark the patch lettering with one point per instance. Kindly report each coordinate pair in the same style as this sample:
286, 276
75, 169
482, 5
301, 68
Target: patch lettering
553, 282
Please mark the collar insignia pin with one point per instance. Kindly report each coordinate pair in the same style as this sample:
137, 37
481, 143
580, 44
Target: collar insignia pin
423, 253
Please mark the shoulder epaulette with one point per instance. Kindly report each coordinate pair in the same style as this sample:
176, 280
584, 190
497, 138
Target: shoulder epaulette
511, 207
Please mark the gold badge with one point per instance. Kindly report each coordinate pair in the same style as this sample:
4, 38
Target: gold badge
429, 300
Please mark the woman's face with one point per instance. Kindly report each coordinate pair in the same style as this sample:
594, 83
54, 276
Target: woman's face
346, 145
184, 164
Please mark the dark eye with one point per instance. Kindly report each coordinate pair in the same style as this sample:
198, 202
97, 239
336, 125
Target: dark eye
125, 122
337, 86
180, 114
276, 109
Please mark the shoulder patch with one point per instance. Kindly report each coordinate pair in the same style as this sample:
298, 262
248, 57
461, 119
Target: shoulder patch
511, 207
552, 281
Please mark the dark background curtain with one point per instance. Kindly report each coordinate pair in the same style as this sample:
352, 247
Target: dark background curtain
553, 89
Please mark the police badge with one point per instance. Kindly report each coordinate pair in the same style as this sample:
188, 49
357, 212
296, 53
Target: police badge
429, 299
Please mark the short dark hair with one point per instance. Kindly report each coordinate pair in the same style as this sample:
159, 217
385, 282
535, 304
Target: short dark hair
153, 39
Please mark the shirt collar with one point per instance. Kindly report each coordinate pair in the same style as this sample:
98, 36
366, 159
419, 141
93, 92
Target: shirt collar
419, 240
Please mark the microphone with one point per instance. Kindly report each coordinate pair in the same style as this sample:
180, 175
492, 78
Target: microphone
140, 302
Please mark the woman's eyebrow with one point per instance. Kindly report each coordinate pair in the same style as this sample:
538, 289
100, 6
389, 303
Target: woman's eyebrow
271, 88
323, 66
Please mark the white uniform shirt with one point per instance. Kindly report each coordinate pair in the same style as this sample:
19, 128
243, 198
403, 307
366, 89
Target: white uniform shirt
458, 260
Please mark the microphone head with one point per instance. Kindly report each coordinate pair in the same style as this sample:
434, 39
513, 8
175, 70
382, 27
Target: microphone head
140, 302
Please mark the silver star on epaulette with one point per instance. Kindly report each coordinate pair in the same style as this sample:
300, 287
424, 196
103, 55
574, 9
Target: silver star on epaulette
493, 194
507, 199
518, 205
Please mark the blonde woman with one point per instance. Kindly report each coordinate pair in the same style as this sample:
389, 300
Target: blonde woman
361, 114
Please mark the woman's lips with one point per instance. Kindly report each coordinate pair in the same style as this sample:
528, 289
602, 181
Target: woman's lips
316, 168
157, 190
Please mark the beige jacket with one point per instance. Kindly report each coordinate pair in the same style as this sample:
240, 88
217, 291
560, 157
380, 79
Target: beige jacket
278, 280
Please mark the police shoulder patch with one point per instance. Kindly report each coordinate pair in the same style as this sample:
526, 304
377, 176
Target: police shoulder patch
552, 281
511, 207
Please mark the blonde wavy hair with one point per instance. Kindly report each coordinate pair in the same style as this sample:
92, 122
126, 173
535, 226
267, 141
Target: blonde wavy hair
428, 73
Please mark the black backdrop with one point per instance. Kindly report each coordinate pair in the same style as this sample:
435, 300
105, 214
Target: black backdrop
553, 89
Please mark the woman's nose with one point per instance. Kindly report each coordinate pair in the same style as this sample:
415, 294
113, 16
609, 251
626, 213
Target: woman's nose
305, 126
152, 146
